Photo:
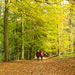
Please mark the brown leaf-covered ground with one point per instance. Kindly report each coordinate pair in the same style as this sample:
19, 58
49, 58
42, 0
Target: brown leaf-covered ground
34, 67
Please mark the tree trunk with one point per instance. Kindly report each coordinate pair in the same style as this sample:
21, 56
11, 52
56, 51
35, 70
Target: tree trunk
70, 23
58, 40
6, 31
30, 53
71, 37
22, 24
16, 44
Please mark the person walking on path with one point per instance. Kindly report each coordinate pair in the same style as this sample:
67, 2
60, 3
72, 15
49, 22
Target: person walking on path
38, 55
41, 54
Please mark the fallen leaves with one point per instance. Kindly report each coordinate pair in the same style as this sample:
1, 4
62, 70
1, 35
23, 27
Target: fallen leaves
34, 67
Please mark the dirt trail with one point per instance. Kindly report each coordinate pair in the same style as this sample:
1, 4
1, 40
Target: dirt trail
34, 67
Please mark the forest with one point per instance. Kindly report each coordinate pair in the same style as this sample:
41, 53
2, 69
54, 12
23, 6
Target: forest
30, 25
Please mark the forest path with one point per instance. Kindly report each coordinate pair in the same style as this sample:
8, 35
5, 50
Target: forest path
34, 67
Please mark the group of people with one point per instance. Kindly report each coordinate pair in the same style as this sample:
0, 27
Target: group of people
40, 54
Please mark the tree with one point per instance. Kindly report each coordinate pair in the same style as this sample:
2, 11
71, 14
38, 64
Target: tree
6, 31
22, 24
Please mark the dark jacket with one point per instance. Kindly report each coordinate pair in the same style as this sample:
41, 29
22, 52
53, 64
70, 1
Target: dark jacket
38, 53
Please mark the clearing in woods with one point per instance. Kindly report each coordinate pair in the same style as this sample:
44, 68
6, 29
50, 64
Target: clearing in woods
34, 67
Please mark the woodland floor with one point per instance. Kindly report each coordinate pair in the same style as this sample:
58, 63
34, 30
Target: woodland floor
34, 67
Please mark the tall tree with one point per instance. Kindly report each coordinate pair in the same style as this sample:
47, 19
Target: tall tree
22, 24
6, 30
22, 28
70, 23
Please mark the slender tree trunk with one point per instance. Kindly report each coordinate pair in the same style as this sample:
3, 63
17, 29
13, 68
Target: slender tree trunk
60, 35
71, 37
30, 53
58, 40
16, 44
22, 28
22, 24
70, 22
6, 31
